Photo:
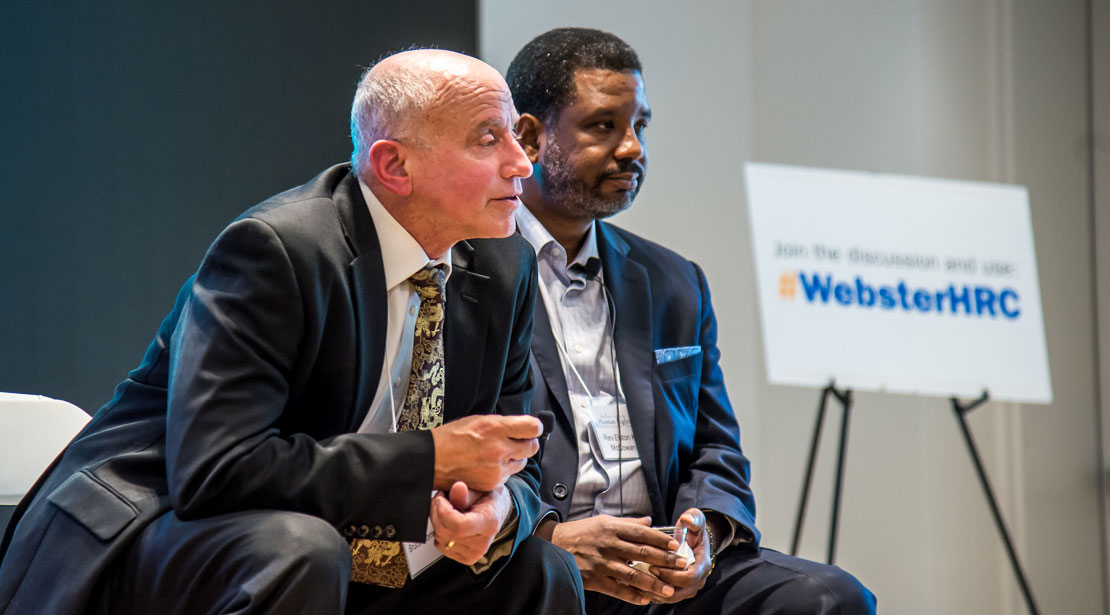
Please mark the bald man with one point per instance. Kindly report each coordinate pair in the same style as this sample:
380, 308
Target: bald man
347, 370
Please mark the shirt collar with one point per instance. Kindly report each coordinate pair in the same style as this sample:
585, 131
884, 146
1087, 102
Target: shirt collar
549, 250
402, 255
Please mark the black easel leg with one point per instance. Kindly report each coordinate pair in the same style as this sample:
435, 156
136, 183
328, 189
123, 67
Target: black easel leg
834, 524
800, 519
960, 411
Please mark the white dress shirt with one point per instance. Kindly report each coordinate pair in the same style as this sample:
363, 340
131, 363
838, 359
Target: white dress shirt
402, 256
581, 324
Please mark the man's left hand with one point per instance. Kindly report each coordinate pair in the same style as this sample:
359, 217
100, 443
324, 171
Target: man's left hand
468, 521
689, 582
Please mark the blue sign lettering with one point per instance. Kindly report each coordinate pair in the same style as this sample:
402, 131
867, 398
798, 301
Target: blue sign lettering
980, 301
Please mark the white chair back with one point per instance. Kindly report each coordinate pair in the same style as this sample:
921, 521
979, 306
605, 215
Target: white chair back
33, 430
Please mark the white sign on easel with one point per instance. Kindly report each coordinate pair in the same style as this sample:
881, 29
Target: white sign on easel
897, 283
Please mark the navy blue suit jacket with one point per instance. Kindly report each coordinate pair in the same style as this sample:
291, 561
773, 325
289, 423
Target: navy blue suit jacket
685, 429
249, 395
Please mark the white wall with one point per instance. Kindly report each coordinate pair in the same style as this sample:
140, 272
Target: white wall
990, 90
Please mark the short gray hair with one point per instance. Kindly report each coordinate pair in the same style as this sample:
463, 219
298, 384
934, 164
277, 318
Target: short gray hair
388, 105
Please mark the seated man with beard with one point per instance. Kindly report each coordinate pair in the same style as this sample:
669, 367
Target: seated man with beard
626, 351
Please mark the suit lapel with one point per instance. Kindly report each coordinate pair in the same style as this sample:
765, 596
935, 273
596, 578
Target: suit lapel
464, 335
368, 280
630, 288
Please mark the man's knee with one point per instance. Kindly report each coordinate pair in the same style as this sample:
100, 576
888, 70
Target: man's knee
302, 568
557, 564
559, 582
308, 543
258, 561
828, 589
772, 582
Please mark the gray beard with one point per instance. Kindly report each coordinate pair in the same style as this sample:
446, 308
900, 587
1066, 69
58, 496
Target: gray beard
563, 188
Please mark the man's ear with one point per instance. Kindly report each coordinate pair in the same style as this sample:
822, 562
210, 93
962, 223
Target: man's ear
387, 159
531, 136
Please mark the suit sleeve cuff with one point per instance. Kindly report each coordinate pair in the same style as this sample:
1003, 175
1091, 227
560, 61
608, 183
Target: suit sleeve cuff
733, 534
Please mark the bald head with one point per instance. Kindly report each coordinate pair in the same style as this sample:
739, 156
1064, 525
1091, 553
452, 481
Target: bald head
397, 96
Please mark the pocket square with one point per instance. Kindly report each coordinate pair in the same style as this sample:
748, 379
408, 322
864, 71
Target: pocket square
666, 355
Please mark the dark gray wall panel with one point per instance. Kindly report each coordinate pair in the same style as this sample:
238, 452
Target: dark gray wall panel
133, 131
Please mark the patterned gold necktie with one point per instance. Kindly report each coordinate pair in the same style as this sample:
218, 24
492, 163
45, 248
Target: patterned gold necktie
424, 400
382, 562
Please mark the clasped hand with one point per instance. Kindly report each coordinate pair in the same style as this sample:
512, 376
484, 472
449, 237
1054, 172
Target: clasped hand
474, 456
603, 546
468, 521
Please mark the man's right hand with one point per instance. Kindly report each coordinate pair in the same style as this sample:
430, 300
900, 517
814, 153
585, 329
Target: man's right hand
603, 545
484, 450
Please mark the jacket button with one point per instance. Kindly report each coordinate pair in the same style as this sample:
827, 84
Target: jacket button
559, 491
376, 532
363, 531
390, 531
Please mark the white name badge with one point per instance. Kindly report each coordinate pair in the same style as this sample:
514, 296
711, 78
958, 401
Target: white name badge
612, 442
420, 555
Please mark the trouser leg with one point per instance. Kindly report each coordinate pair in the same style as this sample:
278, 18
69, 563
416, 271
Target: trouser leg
760, 582
249, 562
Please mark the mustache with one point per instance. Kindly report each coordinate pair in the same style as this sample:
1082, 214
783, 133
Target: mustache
627, 166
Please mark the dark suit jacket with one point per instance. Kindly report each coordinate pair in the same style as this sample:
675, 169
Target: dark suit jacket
684, 426
251, 391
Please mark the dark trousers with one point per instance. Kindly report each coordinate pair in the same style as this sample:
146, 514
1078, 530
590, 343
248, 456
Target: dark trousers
279, 562
759, 582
